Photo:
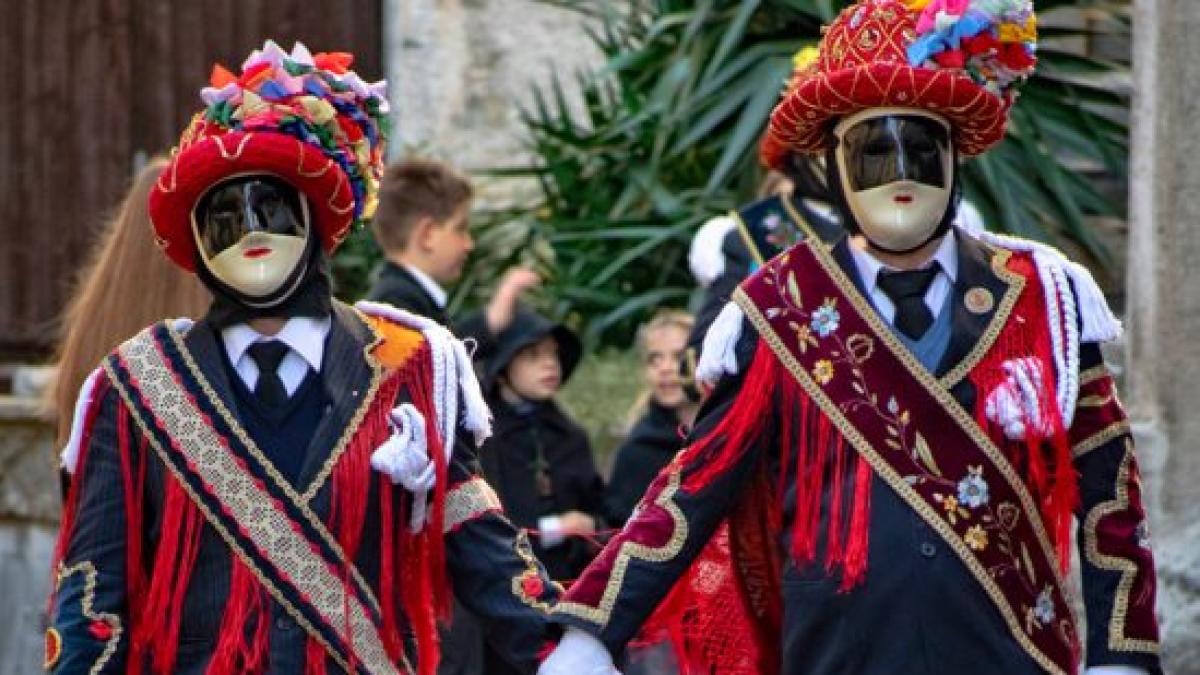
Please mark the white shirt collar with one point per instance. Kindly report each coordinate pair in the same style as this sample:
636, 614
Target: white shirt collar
868, 266
305, 335
433, 288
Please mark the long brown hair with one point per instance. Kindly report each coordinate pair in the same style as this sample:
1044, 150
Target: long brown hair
126, 285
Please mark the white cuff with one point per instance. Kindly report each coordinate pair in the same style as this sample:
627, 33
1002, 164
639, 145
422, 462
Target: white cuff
578, 653
1115, 670
550, 529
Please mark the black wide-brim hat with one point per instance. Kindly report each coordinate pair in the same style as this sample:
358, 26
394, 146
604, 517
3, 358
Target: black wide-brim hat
528, 328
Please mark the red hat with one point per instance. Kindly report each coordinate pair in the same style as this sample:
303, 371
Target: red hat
959, 59
305, 119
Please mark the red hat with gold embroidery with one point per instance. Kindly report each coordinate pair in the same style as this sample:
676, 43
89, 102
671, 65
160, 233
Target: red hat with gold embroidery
960, 59
306, 119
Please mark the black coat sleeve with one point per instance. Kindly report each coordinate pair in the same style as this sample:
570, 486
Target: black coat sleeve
492, 567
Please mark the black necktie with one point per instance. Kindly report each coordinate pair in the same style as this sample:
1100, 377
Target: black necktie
907, 291
269, 390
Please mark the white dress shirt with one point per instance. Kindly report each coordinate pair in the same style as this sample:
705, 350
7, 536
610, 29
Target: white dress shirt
433, 288
304, 335
869, 267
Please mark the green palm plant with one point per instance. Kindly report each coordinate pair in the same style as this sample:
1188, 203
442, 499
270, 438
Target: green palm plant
665, 136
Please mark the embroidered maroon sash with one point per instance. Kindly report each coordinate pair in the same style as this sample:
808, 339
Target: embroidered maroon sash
918, 439
267, 525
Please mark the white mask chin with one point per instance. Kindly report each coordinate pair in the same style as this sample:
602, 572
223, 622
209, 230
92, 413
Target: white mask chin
259, 264
899, 216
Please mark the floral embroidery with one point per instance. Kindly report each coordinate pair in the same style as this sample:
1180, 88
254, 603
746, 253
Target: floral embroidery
825, 319
1043, 612
954, 510
976, 537
823, 371
973, 489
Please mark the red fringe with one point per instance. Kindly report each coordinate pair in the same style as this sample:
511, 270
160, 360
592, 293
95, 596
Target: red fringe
247, 602
855, 559
314, 657
1046, 464
157, 629
718, 451
415, 561
71, 507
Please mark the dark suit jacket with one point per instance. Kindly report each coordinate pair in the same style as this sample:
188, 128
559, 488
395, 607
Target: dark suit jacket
919, 611
484, 553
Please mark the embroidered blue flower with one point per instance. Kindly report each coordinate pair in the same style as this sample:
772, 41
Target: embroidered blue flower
973, 489
825, 320
1044, 609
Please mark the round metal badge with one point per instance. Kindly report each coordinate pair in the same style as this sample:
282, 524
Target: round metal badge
979, 300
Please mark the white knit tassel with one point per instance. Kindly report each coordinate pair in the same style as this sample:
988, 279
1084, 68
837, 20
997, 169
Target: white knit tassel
453, 375
69, 457
1099, 323
1064, 338
706, 256
718, 354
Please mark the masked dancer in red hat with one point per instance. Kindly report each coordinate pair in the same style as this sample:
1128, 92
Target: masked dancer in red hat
287, 485
906, 421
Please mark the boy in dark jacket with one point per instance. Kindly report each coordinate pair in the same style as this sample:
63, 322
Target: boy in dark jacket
538, 459
423, 228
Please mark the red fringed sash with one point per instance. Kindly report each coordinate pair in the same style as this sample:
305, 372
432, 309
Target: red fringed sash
412, 565
851, 386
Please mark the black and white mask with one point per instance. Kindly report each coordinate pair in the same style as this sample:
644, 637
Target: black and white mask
897, 173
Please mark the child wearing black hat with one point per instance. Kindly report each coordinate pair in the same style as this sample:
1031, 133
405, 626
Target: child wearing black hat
538, 459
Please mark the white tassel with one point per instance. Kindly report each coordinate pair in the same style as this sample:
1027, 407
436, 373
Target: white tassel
453, 376
69, 458
706, 256
1099, 322
718, 354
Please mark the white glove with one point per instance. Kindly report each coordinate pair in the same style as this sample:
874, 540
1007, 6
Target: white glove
1015, 405
404, 457
1115, 670
578, 653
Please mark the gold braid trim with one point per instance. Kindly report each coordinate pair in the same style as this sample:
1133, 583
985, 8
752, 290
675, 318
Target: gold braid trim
377, 377
1092, 374
632, 550
1128, 568
532, 572
941, 393
746, 238
89, 596
327, 593
301, 503
1016, 284
1098, 439
467, 501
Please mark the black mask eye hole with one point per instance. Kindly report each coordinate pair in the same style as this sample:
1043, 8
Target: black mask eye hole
237, 207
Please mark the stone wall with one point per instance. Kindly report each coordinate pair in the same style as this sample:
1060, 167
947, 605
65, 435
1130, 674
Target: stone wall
1163, 305
460, 71
29, 505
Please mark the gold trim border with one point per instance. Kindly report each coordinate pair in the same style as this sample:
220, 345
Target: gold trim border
630, 550
377, 377
1098, 439
216, 523
1016, 285
955, 411
1128, 568
282, 483
89, 611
